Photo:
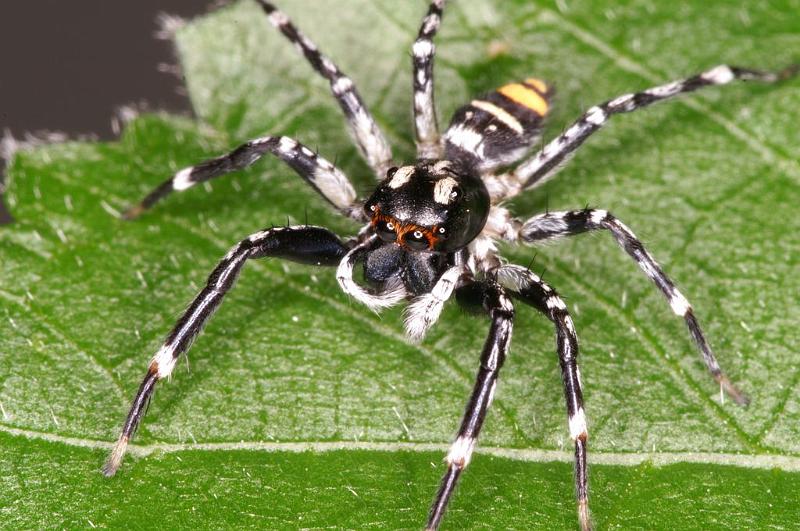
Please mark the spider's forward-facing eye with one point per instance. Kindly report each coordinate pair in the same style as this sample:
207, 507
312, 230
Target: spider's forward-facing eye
386, 230
416, 240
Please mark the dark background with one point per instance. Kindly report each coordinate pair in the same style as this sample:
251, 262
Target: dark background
68, 65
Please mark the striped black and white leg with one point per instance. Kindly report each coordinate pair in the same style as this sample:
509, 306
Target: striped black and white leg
324, 177
546, 163
424, 311
559, 224
534, 291
304, 244
426, 126
501, 311
370, 140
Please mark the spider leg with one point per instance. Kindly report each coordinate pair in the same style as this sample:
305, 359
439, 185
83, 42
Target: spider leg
331, 183
546, 162
426, 126
499, 307
304, 244
368, 136
424, 311
558, 224
532, 290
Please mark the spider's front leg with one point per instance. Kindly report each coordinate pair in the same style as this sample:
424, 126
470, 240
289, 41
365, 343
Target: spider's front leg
371, 142
331, 183
305, 244
426, 127
559, 224
532, 290
496, 303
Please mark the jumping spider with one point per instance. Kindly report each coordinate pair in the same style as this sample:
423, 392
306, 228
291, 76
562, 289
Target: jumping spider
431, 228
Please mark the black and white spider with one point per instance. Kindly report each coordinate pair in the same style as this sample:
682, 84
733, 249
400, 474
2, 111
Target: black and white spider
431, 228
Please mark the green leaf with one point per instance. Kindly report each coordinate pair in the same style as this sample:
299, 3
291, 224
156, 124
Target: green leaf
710, 183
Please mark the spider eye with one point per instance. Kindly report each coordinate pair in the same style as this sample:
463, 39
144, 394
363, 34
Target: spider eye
391, 171
416, 240
385, 231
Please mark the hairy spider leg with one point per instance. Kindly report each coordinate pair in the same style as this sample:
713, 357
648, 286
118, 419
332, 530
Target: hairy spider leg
548, 161
426, 127
331, 183
305, 244
532, 290
370, 140
496, 303
423, 312
555, 225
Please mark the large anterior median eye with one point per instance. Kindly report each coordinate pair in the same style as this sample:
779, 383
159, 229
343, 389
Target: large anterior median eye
386, 231
416, 240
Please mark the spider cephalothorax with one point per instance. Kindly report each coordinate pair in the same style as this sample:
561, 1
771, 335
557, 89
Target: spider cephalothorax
429, 206
431, 226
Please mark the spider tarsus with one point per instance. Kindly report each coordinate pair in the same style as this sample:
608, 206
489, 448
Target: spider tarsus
739, 397
114, 460
788, 72
583, 515
133, 212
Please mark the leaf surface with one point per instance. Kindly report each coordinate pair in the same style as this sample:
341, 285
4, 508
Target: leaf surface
710, 183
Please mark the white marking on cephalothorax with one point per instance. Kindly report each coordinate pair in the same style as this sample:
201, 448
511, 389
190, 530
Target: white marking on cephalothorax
499, 113
461, 452
679, 303
401, 177
577, 424
596, 116
183, 179
444, 189
719, 75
